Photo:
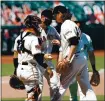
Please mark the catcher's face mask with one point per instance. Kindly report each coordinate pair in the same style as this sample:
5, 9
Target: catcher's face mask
38, 30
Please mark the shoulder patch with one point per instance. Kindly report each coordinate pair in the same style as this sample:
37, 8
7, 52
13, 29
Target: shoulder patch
68, 32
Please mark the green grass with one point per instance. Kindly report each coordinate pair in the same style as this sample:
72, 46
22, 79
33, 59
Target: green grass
99, 63
7, 69
99, 97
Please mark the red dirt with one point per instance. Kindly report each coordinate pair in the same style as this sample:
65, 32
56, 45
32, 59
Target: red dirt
99, 53
7, 59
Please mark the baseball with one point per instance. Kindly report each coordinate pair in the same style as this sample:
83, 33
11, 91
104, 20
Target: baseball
50, 57
47, 56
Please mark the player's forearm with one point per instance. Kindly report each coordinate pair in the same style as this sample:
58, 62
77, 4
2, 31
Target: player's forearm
40, 60
73, 42
15, 61
15, 54
60, 57
71, 52
92, 60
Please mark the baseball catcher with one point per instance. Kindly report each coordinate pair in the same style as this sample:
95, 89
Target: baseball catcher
27, 55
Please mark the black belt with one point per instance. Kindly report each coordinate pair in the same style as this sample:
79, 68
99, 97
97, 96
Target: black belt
24, 63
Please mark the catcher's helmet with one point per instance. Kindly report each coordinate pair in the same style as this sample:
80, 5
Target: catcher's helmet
32, 21
48, 16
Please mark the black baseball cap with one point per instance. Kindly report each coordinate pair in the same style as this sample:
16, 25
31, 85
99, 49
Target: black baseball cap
61, 9
47, 13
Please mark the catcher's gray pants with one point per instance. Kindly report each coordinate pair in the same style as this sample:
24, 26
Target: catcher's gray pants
77, 69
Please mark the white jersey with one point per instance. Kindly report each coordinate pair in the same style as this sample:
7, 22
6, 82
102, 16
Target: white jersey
47, 37
78, 67
68, 30
31, 41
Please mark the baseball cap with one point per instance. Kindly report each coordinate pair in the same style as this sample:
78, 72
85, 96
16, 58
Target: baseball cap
61, 9
47, 13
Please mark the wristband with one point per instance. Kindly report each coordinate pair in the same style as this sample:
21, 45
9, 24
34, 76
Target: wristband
15, 61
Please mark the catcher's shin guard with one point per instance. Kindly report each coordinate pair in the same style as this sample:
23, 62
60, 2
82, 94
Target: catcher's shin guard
34, 94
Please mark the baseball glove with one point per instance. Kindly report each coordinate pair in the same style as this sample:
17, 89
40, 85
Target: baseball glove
62, 66
95, 79
16, 83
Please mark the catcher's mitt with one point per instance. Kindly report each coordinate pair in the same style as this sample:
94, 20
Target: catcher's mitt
95, 79
16, 83
62, 66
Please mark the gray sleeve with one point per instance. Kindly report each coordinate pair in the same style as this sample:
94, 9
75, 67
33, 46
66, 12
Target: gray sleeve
55, 33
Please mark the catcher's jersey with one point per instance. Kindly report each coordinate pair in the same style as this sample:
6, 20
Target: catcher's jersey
30, 43
68, 30
87, 43
47, 37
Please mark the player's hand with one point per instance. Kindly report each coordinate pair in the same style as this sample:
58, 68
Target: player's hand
67, 62
95, 78
62, 66
49, 71
56, 42
48, 57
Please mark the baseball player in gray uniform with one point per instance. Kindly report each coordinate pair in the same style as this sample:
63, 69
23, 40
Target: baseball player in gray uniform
27, 55
49, 35
89, 52
71, 47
